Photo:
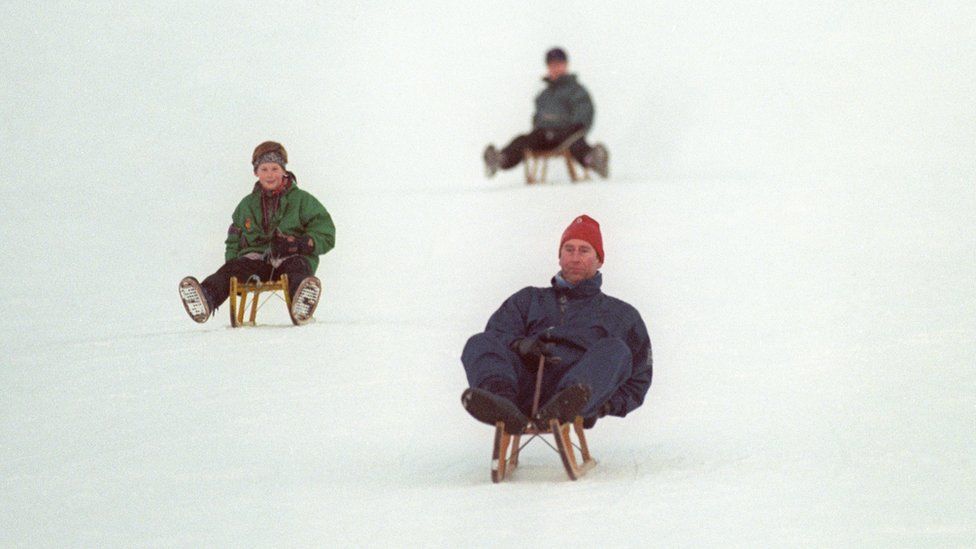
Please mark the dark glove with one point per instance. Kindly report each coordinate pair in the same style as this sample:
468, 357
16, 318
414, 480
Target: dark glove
589, 422
283, 245
531, 348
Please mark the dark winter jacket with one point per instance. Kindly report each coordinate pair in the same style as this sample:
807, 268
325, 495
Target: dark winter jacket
298, 213
563, 104
574, 319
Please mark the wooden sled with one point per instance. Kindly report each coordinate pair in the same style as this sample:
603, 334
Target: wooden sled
505, 454
239, 293
536, 162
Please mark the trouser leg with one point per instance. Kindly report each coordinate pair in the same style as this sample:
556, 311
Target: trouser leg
542, 139
484, 357
514, 151
604, 367
217, 285
297, 269
579, 149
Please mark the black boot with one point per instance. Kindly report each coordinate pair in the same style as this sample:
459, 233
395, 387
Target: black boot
564, 406
488, 407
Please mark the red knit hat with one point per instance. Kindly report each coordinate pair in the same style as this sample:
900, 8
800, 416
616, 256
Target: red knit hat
585, 228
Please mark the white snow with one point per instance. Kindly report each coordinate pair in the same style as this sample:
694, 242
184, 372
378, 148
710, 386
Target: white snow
792, 208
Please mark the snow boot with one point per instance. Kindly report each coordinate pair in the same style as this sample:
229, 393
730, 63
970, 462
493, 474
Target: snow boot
493, 160
305, 300
195, 300
564, 406
599, 159
487, 407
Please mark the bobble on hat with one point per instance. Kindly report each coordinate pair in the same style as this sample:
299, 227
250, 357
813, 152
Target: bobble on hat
587, 229
269, 151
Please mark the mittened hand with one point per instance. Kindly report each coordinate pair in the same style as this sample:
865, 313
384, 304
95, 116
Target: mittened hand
532, 348
290, 245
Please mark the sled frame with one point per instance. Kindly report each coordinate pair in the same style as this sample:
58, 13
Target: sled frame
537, 162
506, 449
239, 293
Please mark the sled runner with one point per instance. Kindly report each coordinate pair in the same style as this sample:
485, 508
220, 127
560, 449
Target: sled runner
536, 162
505, 453
239, 293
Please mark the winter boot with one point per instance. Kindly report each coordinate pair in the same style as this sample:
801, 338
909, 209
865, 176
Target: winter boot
599, 159
563, 406
195, 300
305, 300
493, 160
488, 407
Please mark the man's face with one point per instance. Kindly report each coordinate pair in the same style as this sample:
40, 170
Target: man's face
556, 69
270, 175
578, 260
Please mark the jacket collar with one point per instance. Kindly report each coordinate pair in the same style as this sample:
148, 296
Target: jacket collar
290, 183
564, 79
584, 288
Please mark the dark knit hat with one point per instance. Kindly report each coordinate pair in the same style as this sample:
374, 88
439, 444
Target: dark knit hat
556, 54
585, 228
269, 151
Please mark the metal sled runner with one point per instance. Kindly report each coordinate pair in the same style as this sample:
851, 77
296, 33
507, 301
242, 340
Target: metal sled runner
505, 454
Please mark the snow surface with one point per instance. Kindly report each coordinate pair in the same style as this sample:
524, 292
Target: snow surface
791, 208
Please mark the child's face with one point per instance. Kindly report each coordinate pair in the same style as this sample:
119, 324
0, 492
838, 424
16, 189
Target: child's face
270, 175
556, 69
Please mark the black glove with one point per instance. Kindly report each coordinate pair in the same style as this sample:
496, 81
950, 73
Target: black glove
531, 348
283, 245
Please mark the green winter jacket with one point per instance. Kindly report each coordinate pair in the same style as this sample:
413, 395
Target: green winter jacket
299, 214
563, 104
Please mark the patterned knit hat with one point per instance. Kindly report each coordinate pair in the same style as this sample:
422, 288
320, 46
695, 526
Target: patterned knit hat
587, 229
269, 151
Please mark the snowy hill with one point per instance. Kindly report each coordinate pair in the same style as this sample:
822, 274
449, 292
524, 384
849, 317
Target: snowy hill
791, 208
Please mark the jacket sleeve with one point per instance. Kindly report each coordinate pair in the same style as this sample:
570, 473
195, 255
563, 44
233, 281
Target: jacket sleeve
631, 393
318, 224
509, 322
582, 107
235, 233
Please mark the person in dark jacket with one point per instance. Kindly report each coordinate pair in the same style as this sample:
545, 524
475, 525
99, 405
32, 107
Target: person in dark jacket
595, 348
562, 109
276, 229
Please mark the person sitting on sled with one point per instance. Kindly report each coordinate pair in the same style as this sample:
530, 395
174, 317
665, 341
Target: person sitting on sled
595, 349
277, 229
563, 108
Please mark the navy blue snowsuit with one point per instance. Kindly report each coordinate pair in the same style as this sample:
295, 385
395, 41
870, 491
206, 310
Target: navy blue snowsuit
601, 340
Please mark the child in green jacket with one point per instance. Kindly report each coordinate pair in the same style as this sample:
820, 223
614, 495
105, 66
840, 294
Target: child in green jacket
277, 229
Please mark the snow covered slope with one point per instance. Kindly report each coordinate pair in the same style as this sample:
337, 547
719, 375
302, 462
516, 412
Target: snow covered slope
791, 208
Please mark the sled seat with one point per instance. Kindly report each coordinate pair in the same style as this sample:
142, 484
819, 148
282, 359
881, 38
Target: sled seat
536, 162
239, 293
505, 454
